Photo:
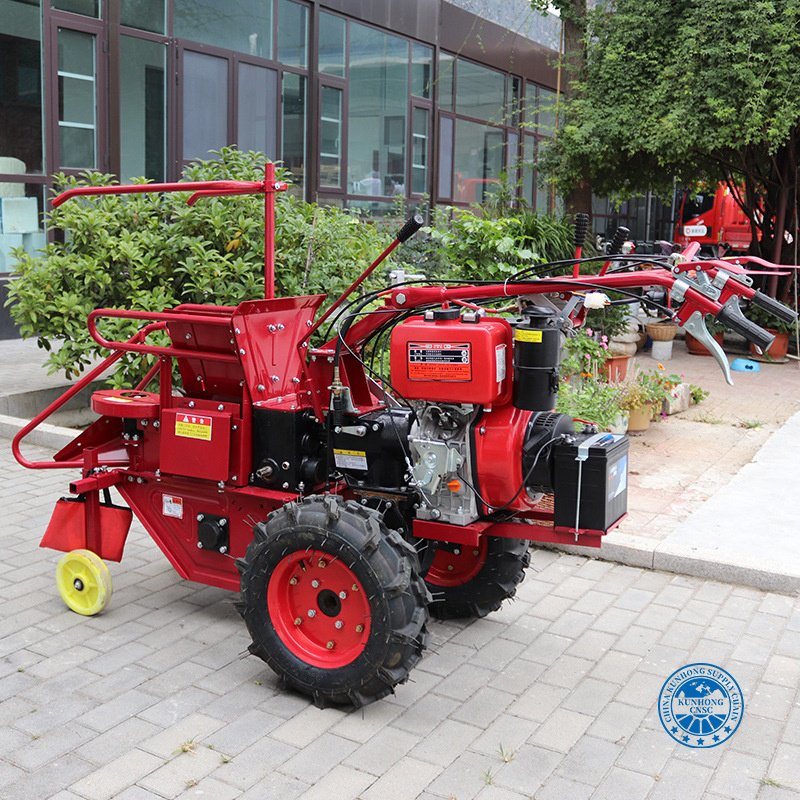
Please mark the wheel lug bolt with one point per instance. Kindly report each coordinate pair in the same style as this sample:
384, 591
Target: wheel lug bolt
314, 584
342, 595
293, 581
311, 612
298, 621
322, 564
338, 624
457, 551
359, 628
330, 645
450, 567
354, 587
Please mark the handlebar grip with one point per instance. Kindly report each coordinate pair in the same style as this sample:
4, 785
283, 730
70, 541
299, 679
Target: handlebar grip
412, 225
581, 228
731, 316
620, 237
773, 307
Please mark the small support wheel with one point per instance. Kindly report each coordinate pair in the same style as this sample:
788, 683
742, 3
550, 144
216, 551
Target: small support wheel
84, 582
469, 581
333, 601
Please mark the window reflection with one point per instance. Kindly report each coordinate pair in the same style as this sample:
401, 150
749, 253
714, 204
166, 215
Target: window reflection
294, 126
480, 92
77, 88
378, 98
241, 25
258, 96
20, 88
20, 220
205, 104
478, 161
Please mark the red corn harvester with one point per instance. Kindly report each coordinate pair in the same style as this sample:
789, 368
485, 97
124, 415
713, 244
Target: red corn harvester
346, 506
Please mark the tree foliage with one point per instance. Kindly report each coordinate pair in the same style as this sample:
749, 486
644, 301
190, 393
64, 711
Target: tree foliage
695, 90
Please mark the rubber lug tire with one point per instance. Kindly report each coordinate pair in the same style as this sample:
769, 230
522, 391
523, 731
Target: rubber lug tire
388, 568
503, 571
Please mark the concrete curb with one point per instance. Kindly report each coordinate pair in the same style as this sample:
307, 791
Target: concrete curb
50, 436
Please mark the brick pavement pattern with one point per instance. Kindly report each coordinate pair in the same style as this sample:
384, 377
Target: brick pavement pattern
552, 697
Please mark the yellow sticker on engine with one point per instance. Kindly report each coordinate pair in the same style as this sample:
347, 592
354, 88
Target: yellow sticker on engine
192, 426
527, 335
350, 459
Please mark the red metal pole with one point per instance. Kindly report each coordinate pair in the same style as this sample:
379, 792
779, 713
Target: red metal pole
269, 230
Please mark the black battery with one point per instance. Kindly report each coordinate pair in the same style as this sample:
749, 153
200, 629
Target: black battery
602, 470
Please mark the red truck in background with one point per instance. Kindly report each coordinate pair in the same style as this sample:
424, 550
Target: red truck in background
712, 219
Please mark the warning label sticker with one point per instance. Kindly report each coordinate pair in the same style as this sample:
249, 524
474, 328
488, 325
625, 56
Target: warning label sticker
172, 506
527, 335
192, 426
350, 459
440, 361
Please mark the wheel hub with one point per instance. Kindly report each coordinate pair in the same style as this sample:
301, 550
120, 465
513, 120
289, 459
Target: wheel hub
455, 564
318, 608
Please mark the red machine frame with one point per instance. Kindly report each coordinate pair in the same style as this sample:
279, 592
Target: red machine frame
258, 354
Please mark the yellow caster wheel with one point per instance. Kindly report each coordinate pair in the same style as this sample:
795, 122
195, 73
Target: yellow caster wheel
84, 582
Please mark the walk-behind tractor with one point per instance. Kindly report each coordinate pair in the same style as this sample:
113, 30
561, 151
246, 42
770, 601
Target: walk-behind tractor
344, 505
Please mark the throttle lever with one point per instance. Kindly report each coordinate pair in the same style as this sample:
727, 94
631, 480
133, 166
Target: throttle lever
696, 325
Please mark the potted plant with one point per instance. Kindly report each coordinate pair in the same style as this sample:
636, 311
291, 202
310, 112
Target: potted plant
591, 400
584, 355
780, 347
695, 347
612, 325
640, 398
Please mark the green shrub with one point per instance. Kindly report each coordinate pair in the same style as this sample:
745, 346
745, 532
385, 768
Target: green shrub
152, 252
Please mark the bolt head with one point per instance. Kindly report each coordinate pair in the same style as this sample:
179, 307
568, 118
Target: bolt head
314, 584
342, 595
223, 549
476, 552
330, 645
201, 517
312, 613
354, 587
220, 407
199, 545
261, 387
449, 567
298, 620
293, 581
322, 563
359, 628
338, 624
191, 404
457, 551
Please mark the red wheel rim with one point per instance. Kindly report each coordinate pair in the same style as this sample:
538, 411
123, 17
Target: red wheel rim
319, 608
455, 565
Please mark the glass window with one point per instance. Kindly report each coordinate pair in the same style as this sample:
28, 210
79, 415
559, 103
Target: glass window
419, 151
530, 105
241, 25
512, 159
480, 92
446, 62
142, 109
331, 44
421, 65
258, 98
77, 113
514, 115
20, 88
528, 169
146, 15
330, 145
89, 8
547, 112
292, 33
293, 135
205, 104
478, 161
20, 220
445, 157
378, 107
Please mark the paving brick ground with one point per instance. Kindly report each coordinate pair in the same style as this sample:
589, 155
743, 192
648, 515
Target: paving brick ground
552, 697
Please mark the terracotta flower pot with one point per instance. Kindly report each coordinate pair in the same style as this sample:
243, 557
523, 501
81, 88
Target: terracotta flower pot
697, 348
615, 368
779, 349
639, 419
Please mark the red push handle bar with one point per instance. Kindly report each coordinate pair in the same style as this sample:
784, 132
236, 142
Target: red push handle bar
268, 187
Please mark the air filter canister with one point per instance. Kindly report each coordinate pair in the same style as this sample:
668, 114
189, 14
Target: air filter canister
537, 353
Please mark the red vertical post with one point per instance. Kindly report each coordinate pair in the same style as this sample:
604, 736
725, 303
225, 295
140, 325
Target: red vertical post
269, 231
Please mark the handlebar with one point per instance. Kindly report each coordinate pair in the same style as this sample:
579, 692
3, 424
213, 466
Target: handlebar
773, 307
731, 316
411, 226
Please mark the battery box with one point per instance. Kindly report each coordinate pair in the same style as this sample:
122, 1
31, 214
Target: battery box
451, 358
603, 481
